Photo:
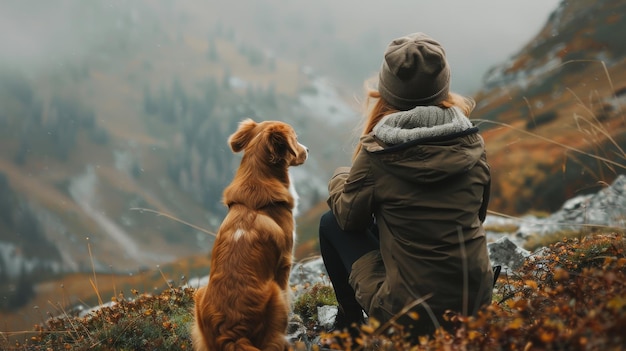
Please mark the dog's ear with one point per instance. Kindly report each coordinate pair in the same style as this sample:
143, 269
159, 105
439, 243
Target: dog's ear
242, 136
280, 145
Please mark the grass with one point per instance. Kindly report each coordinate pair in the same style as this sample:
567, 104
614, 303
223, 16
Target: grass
562, 158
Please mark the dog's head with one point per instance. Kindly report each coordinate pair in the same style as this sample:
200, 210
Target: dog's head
273, 141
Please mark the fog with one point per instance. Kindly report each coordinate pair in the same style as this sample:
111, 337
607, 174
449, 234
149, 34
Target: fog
476, 34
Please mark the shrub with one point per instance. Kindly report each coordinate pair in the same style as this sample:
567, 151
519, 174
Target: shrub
318, 295
145, 322
572, 296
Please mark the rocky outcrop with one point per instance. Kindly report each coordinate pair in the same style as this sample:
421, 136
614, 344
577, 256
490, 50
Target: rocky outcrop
506, 253
606, 208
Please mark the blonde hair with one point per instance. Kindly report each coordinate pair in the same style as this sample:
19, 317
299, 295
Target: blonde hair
377, 108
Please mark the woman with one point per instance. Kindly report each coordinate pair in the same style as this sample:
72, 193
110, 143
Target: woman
404, 230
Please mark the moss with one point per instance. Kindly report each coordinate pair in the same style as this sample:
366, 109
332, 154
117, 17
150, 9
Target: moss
318, 295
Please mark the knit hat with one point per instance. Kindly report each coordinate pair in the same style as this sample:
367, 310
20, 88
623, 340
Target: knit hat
414, 72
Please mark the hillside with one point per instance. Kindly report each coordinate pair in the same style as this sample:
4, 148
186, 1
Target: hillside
74, 293
101, 150
141, 122
555, 110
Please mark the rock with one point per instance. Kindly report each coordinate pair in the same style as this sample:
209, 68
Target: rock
307, 273
326, 316
88, 313
197, 282
506, 253
296, 330
607, 207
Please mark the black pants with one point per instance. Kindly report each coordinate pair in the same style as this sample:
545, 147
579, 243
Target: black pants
340, 249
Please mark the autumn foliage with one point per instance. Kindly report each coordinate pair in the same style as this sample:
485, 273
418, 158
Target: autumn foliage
572, 296
568, 296
142, 322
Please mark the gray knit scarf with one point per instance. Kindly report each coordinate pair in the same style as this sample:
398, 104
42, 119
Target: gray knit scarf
421, 122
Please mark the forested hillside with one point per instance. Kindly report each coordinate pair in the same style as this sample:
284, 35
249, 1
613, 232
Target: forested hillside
101, 149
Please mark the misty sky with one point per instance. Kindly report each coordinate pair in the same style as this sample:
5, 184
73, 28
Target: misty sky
477, 34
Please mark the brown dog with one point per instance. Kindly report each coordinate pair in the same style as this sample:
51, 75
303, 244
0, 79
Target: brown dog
245, 305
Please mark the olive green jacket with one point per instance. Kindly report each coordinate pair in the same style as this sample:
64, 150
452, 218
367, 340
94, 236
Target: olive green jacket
423, 176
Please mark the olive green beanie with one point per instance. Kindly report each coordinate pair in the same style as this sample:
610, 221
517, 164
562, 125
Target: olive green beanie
414, 72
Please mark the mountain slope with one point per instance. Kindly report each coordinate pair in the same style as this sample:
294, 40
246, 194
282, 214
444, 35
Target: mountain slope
137, 119
555, 111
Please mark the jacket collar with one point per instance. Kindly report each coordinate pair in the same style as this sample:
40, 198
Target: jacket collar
422, 122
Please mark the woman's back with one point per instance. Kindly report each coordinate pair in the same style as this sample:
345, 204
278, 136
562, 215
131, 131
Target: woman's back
428, 197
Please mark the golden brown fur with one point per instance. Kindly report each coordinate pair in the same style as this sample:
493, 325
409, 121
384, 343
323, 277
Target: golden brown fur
245, 305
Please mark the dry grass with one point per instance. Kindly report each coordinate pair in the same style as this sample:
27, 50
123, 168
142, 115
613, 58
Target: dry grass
577, 150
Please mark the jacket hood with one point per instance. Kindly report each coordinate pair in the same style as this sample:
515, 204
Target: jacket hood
426, 144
